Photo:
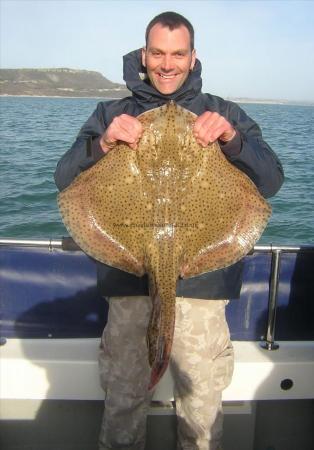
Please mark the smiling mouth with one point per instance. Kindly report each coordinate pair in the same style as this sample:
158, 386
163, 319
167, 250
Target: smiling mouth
167, 77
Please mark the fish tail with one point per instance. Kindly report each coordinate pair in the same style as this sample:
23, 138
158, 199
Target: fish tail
161, 362
160, 336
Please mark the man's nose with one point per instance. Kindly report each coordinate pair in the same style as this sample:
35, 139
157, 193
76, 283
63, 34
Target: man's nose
167, 63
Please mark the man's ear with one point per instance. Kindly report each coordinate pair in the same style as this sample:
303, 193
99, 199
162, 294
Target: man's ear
144, 56
193, 59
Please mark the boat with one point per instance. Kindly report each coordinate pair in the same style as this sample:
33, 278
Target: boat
52, 316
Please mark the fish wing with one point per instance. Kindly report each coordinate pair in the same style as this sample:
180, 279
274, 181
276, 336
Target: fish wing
102, 211
228, 215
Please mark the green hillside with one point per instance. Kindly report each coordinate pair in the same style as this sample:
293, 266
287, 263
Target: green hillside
62, 82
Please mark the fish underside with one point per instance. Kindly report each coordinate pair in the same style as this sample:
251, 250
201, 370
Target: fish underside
169, 209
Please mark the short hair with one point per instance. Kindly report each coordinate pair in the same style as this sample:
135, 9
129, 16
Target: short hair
171, 20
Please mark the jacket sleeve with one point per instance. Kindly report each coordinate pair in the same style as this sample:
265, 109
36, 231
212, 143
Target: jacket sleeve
84, 152
255, 157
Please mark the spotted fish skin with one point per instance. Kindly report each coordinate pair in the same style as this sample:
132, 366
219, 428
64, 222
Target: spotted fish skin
171, 208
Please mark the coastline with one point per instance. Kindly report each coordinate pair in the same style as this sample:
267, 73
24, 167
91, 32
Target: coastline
59, 96
56, 96
262, 101
240, 100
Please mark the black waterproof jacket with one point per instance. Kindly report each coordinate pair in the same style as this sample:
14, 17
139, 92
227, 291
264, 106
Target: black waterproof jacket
248, 151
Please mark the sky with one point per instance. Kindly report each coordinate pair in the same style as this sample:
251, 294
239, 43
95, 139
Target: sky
256, 49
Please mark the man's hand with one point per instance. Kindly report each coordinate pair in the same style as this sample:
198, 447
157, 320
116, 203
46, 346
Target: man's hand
211, 126
123, 128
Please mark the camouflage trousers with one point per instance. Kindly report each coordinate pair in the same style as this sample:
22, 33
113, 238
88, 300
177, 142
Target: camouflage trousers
201, 365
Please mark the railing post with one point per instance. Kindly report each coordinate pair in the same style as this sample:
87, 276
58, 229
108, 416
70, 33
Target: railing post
269, 343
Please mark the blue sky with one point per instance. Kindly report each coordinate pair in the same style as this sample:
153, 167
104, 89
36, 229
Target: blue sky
260, 49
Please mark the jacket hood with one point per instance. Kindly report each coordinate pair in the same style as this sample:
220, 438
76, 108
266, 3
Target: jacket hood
135, 76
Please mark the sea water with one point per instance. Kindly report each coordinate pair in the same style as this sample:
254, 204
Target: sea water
36, 131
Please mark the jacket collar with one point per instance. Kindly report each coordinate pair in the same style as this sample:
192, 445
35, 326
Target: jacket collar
135, 76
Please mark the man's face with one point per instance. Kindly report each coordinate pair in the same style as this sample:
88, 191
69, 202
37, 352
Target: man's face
168, 57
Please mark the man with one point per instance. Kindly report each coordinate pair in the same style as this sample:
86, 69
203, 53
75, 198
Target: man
202, 355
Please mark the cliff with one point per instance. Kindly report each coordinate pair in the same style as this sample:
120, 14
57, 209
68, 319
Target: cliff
61, 82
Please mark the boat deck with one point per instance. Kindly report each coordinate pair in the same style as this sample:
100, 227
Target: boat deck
49, 335
74, 425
